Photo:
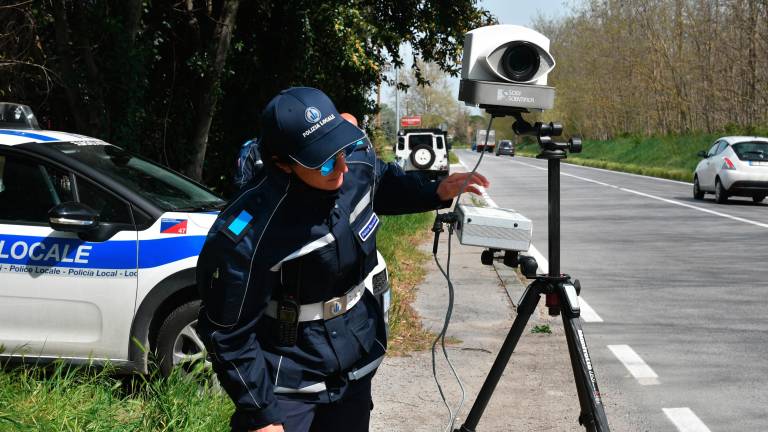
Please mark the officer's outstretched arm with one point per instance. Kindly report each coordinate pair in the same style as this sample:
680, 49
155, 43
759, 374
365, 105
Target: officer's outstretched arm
234, 298
399, 192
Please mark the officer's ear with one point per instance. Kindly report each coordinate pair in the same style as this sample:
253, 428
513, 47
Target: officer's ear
283, 166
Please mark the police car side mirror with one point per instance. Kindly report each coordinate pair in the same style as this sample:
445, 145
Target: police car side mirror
73, 217
702, 154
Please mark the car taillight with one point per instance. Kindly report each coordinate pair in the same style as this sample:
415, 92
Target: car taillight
727, 164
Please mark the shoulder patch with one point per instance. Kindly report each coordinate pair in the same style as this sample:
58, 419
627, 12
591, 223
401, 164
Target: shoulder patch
238, 225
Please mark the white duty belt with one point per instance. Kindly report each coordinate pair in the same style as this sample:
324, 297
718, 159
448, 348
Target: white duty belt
324, 310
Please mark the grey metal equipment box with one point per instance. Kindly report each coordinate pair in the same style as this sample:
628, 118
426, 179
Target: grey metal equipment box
490, 93
496, 228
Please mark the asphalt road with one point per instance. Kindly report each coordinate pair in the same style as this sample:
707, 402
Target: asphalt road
678, 282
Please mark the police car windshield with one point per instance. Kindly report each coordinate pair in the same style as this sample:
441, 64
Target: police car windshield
165, 188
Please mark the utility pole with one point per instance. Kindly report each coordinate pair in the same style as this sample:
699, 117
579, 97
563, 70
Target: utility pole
385, 68
397, 107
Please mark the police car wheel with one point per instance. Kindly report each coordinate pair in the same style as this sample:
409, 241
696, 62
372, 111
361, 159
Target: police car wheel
178, 345
422, 157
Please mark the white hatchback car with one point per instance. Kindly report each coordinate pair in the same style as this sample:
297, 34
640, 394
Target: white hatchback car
733, 166
98, 249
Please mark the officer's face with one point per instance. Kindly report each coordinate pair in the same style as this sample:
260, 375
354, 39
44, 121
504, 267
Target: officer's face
314, 178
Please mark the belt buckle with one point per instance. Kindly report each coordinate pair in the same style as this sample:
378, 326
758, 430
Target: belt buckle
334, 307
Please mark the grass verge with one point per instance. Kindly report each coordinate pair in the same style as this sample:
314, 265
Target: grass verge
68, 398
398, 242
672, 157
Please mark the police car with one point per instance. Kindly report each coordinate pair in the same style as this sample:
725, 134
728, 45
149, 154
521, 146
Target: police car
98, 249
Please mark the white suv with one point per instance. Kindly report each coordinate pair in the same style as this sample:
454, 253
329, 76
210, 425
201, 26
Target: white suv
423, 150
98, 249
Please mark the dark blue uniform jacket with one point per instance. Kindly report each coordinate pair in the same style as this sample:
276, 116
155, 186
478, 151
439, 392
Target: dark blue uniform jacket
319, 244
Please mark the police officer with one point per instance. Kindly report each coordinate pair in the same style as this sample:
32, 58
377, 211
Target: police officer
293, 334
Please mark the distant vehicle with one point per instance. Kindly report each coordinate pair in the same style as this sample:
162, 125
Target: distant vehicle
481, 143
505, 147
733, 166
423, 150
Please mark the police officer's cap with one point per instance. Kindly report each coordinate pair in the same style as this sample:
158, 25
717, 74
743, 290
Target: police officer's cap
303, 124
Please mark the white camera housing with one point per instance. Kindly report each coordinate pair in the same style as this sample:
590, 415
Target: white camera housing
506, 66
484, 48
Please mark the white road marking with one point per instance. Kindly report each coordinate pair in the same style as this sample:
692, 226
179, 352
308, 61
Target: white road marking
631, 174
716, 213
685, 420
634, 364
587, 313
668, 201
487, 197
540, 260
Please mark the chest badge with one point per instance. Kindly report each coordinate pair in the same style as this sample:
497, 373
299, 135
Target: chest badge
369, 227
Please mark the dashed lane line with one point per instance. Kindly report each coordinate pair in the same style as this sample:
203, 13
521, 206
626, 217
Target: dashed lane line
634, 364
685, 420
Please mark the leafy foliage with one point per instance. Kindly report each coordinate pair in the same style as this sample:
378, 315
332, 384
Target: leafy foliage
663, 67
135, 73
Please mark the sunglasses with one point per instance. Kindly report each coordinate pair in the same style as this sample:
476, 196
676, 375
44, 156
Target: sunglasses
327, 167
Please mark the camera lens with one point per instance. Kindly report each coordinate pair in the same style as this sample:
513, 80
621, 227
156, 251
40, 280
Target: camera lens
520, 61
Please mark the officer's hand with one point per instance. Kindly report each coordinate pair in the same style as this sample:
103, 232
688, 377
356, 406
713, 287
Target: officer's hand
270, 428
449, 187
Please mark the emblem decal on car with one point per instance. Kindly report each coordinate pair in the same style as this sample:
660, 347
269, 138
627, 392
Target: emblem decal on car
173, 226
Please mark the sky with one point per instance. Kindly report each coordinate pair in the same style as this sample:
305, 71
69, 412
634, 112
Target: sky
520, 12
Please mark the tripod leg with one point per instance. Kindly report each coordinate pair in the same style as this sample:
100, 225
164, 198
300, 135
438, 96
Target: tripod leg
592, 411
524, 311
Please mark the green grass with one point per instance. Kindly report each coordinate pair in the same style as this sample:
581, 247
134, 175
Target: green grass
672, 157
68, 398
452, 158
541, 329
398, 241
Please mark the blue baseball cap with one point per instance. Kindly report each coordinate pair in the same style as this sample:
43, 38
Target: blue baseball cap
302, 124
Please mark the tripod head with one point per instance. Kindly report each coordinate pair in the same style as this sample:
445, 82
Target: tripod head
543, 132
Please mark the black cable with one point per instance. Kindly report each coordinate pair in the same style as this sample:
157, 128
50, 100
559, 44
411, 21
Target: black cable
447, 274
441, 337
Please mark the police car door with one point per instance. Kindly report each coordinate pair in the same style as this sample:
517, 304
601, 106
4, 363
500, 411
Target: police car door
60, 295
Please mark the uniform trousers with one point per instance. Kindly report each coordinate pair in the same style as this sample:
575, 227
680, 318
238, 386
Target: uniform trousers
350, 414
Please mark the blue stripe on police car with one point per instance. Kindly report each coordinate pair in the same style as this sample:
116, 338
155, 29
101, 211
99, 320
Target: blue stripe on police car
31, 135
75, 253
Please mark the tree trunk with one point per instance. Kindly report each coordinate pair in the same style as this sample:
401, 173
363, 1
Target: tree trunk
133, 9
209, 89
63, 44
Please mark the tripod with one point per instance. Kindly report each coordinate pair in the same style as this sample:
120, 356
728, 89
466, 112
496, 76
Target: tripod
561, 294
